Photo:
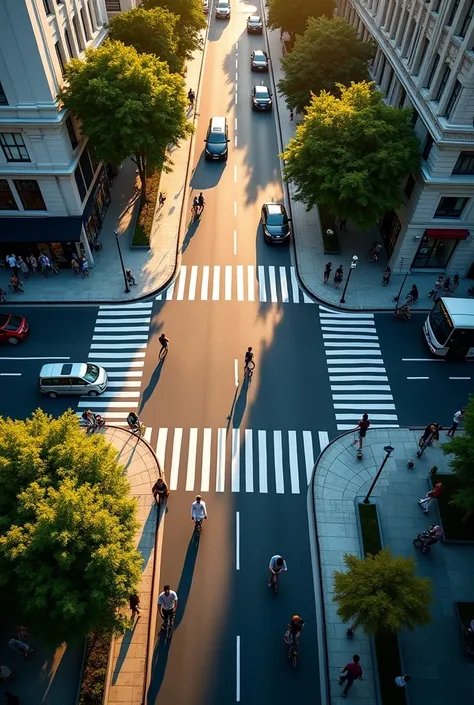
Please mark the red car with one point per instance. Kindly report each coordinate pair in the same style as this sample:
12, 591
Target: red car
12, 328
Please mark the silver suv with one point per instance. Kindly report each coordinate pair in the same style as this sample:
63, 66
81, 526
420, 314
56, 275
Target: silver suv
223, 9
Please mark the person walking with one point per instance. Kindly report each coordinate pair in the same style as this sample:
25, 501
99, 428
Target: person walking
454, 285
85, 268
437, 491
292, 115
363, 426
13, 264
351, 672
338, 277
447, 285
458, 417
23, 267
75, 266
45, 264
327, 272
161, 199
386, 276
33, 262
134, 602
412, 296
401, 681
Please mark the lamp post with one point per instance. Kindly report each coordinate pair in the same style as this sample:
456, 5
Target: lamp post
388, 450
353, 265
397, 297
127, 289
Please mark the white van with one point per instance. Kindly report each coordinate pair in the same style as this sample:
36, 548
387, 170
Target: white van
72, 378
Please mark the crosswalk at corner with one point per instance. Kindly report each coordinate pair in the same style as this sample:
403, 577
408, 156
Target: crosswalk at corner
261, 461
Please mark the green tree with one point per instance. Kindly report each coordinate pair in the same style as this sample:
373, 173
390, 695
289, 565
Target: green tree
129, 105
67, 527
191, 21
292, 16
461, 460
382, 593
351, 154
150, 32
328, 53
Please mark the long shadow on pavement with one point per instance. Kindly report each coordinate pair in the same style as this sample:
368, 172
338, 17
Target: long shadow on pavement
124, 646
240, 404
155, 378
147, 538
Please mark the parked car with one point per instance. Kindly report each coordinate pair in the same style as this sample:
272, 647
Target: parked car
261, 98
254, 25
13, 328
275, 223
259, 60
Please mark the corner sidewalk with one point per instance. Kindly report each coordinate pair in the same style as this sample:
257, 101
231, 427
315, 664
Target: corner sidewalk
365, 290
126, 671
433, 655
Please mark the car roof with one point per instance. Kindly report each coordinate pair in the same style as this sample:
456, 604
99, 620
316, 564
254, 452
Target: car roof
274, 208
259, 52
254, 18
262, 89
67, 369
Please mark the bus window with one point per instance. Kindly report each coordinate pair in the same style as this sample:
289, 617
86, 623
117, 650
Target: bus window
440, 323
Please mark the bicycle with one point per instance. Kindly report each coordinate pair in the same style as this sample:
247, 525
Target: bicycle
293, 651
169, 627
248, 369
164, 351
198, 527
139, 428
274, 583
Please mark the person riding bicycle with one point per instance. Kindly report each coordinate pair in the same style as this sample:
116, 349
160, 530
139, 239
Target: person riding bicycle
293, 631
435, 534
277, 565
160, 489
198, 509
248, 358
133, 420
167, 604
201, 202
412, 296
164, 341
430, 434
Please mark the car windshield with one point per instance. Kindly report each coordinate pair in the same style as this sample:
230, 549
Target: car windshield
13, 324
223, 5
92, 373
254, 20
276, 219
261, 92
217, 138
441, 323
260, 58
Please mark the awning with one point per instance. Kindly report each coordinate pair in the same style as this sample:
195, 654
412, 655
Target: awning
23, 229
447, 234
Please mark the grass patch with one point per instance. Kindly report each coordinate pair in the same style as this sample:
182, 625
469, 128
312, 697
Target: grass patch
331, 241
142, 232
455, 529
386, 644
95, 669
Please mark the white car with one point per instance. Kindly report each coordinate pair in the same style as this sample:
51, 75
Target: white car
223, 9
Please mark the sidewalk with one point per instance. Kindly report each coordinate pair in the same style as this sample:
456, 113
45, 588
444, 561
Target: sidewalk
440, 672
365, 290
126, 670
153, 268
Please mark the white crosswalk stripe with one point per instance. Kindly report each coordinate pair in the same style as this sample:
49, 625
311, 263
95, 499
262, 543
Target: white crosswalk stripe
119, 343
208, 460
357, 376
230, 283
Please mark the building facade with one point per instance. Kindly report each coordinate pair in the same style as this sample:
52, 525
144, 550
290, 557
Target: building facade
425, 61
115, 6
53, 191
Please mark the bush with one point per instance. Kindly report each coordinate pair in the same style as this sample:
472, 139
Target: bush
146, 213
457, 524
95, 669
331, 240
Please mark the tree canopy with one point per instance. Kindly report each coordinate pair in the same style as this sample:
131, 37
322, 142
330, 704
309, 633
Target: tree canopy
461, 460
150, 32
328, 53
351, 154
382, 593
67, 527
292, 16
129, 105
191, 21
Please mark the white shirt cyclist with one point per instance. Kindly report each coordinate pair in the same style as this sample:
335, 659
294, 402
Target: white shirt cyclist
168, 601
198, 510
276, 568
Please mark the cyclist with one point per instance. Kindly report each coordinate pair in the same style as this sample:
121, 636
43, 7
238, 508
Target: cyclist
198, 510
164, 341
160, 490
277, 566
293, 631
191, 97
201, 203
248, 358
167, 605
133, 420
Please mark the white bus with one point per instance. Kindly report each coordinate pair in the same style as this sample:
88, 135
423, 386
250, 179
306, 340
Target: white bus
449, 329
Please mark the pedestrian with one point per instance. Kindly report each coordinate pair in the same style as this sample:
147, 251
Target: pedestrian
454, 284
134, 602
84, 268
11, 699
327, 272
458, 417
23, 267
75, 266
430, 496
292, 115
13, 264
437, 286
402, 681
161, 199
20, 647
33, 262
430, 434
352, 671
338, 276
386, 276
363, 426
447, 285
412, 296
16, 284
45, 264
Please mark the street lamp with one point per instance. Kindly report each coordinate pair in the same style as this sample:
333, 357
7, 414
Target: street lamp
127, 290
388, 450
353, 265
397, 297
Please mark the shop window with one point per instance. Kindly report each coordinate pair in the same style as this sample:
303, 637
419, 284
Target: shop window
14, 147
434, 253
409, 186
464, 164
427, 147
7, 201
30, 195
71, 132
450, 207
81, 187
85, 163
3, 97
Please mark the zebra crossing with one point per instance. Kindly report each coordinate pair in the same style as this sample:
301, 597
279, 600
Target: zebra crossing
235, 460
357, 375
119, 343
266, 284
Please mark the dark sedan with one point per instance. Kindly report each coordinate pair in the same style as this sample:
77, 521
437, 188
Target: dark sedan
259, 60
254, 25
275, 223
261, 98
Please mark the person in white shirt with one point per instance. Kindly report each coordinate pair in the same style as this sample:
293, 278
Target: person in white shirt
458, 417
167, 604
402, 681
277, 565
198, 509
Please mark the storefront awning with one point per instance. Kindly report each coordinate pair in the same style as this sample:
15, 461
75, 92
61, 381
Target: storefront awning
447, 234
40, 229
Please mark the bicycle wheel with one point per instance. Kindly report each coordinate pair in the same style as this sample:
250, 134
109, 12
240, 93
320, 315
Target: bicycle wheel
169, 630
294, 655
164, 352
